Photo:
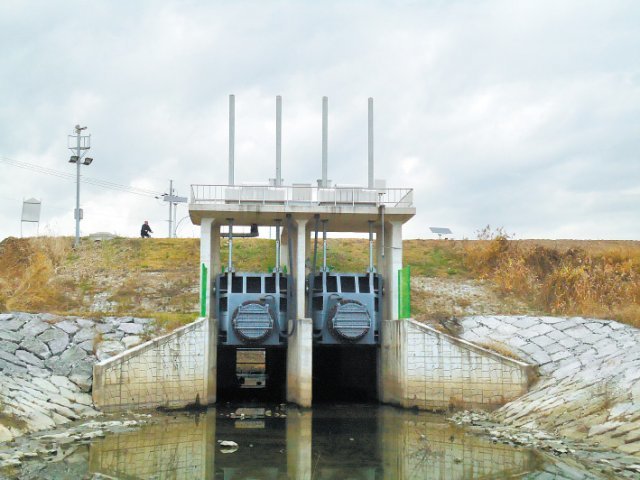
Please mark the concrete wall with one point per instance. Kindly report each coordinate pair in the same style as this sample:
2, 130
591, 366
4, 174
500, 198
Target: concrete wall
422, 367
172, 371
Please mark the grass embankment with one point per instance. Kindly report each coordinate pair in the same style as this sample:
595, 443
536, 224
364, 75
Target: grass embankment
159, 277
586, 278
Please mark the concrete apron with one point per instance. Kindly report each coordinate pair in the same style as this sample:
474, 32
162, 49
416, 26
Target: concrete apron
418, 367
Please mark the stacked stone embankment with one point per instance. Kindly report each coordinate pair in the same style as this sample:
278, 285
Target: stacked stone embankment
46, 366
590, 384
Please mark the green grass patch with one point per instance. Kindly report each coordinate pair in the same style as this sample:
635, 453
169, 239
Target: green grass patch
169, 321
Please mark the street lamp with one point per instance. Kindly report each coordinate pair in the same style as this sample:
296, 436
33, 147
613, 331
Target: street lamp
79, 145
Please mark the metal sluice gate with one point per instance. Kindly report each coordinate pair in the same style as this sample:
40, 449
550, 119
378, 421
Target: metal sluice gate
345, 307
252, 308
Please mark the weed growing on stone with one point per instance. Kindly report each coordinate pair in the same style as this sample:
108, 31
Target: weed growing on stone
499, 347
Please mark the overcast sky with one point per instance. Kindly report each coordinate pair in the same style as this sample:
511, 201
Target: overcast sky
522, 115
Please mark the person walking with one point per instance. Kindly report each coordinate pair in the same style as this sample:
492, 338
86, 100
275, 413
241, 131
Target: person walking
145, 230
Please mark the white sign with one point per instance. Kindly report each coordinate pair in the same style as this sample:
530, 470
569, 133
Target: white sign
175, 199
31, 210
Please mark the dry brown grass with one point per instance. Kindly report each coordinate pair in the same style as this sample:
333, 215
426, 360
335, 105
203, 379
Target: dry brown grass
499, 348
168, 321
97, 340
30, 265
572, 280
566, 277
10, 420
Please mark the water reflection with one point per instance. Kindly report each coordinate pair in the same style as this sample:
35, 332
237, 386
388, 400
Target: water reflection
339, 442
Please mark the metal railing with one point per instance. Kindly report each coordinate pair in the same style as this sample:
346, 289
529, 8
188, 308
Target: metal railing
300, 195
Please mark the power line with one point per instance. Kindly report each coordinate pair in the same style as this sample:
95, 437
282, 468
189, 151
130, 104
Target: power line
88, 180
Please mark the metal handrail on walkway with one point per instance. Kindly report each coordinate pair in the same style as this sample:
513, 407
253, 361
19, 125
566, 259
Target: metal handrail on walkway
301, 195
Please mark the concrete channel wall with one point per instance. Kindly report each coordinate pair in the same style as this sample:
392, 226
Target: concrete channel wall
424, 368
174, 370
420, 367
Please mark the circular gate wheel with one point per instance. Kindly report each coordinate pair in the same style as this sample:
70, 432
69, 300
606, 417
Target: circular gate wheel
253, 321
349, 320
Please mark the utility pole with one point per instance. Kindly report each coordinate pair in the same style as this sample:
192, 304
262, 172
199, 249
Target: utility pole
82, 144
175, 219
170, 207
173, 200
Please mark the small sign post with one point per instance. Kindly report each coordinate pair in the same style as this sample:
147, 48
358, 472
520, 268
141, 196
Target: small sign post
31, 213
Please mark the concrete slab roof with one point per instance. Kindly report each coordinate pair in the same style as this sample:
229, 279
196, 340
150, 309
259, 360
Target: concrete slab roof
341, 218
347, 209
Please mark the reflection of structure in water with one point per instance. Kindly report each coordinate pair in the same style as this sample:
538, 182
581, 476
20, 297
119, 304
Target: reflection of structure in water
332, 443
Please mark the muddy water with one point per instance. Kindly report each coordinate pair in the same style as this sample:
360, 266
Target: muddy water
334, 442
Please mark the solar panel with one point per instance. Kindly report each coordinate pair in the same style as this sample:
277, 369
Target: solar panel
441, 230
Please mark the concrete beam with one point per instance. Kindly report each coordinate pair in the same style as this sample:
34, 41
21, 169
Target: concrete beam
342, 218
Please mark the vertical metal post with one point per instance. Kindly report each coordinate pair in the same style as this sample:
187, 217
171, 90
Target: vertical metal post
277, 267
370, 145
232, 135
324, 245
325, 138
382, 229
278, 141
170, 207
175, 219
312, 277
371, 267
230, 261
78, 139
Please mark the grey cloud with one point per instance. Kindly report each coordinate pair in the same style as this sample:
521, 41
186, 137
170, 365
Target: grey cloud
523, 115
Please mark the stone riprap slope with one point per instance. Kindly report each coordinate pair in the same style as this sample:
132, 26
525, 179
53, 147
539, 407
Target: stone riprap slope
590, 376
46, 366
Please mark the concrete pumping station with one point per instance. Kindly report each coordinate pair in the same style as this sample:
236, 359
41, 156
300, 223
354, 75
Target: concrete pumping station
303, 332
301, 324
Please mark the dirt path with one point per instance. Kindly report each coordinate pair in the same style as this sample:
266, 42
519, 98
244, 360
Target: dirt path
437, 299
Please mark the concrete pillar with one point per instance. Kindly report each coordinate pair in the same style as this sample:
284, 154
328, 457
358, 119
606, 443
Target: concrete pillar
392, 363
299, 348
391, 359
299, 364
299, 441
209, 262
300, 271
392, 264
210, 267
